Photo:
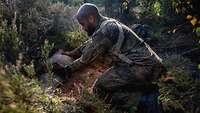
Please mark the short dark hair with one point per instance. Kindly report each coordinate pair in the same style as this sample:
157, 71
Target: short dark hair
87, 10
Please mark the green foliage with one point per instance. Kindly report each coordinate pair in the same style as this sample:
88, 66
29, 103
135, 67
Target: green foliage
182, 90
199, 66
91, 103
9, 41
76, 38
61, 17
167, 7
177, 96
23, 95
18, 94
146, 6
188, 7
26, 23
198, 31
45, 53
37, 20
157, 8
177, 63
29, 70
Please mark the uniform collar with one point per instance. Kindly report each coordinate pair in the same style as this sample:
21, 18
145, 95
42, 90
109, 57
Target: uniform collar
102, 19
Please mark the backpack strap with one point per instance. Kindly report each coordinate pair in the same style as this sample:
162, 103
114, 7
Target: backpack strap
116, 50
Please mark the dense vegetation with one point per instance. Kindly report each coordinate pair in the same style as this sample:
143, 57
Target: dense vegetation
32, 30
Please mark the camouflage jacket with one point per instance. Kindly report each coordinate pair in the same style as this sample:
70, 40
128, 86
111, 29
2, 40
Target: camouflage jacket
105, 39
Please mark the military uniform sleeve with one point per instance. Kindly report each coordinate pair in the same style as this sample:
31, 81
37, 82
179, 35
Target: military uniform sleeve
101, 43
77, 52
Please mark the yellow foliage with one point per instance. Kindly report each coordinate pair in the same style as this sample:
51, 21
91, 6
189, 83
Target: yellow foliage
125, 5
189, 17
199, 66
194, 21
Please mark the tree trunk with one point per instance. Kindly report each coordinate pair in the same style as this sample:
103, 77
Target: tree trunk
108, 7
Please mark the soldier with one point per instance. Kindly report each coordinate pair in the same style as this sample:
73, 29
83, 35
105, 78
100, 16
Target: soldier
134, 64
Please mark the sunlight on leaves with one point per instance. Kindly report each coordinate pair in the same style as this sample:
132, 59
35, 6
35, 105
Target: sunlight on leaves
199, 66
157, 8
194, 21
189, 17
198, 32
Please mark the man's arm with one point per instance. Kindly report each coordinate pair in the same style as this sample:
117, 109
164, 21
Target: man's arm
77, 52
91, 52
102, 42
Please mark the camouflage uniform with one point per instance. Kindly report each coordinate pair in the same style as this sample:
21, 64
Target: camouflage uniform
134, 64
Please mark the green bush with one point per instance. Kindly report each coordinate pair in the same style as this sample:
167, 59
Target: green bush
91, 104
23, 95
9, 42
76, 38
20, 94
181, 94
61, 17
37, 20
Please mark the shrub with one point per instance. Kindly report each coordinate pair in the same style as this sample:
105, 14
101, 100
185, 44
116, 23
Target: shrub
62, 22
76, 38
62, 18
23, 95
180, 93
9, 43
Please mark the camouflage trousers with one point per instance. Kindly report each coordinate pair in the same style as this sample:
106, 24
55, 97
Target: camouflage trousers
122, 86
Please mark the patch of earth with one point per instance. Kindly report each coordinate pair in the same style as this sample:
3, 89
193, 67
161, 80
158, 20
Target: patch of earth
82, 80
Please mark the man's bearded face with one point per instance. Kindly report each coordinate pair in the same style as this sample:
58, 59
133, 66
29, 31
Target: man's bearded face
87, 26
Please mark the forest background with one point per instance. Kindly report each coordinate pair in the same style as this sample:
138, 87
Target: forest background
31, 31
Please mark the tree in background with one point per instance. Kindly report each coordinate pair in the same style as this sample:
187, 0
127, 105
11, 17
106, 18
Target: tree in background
28, 23
108, 7
85, 1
